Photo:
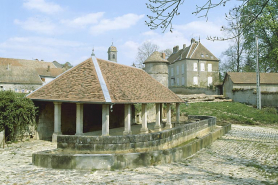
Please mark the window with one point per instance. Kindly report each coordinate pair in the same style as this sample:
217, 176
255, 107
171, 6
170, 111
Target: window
195, 80
172, 81
182, 81
113, 56
178, 81
209, 81
202, 55
172, 71
209, 67
178, 70
182, 69
202, 67
195, 67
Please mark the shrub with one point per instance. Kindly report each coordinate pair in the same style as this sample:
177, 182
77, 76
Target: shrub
17, 114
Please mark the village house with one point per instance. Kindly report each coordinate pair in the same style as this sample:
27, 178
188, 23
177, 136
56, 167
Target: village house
193, 66
98, 95
26, 75
241, 87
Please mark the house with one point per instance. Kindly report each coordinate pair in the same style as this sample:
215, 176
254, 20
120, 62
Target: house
98, 95
242, 87
26, 75
193, 66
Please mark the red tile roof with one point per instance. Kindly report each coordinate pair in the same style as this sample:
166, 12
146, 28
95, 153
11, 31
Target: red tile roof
125, 85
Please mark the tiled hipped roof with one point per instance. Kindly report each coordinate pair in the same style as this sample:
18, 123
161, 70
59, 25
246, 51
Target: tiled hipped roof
195, 51
125, 85
251, 77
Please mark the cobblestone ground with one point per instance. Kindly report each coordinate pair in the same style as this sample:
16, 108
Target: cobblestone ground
246, 155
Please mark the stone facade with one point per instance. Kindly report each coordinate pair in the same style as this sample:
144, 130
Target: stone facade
193, 66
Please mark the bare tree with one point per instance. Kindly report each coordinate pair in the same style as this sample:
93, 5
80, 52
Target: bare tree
235, 53
164, 12
144, 51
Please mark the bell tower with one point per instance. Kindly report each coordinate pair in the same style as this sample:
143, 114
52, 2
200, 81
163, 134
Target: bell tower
112, 53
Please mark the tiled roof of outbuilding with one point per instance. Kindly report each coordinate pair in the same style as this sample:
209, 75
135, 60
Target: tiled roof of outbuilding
251, 77
125, 84
19, 75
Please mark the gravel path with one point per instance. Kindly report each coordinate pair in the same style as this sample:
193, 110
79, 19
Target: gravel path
246, 155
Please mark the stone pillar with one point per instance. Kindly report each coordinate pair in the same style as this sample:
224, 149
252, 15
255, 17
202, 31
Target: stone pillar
157, 126
177, 113
168, 123
144, 128
57, 121
127, 130
79, 119
161, 112
105, 120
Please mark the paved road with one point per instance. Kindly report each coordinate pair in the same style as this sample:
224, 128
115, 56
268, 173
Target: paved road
246, 155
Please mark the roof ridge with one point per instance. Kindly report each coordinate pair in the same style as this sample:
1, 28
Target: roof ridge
194, 49
101, 80
188, 51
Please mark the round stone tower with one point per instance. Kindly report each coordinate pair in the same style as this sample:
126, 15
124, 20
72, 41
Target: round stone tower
112, 53
157, 66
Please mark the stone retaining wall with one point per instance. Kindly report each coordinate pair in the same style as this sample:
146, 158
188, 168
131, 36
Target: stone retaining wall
138, 143
49, 159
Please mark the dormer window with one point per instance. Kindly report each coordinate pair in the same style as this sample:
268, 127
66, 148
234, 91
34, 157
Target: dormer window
207, 55
202, 55
211, 57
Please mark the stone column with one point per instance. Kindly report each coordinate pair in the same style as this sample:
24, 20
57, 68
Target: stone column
177, 113
57, 121
127, 130
105, 120
144, 128
157, 126
161, 112
168, 123
79, 119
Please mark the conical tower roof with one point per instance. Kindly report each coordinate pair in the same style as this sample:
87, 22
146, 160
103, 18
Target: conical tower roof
155, 57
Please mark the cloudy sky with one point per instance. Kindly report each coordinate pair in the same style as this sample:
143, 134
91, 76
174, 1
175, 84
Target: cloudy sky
67, 30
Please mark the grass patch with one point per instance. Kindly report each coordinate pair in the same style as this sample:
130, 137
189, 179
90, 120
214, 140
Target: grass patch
232, 111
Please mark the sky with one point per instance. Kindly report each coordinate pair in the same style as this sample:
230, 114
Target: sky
68, 30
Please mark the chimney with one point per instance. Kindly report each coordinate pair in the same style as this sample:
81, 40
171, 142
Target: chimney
163, 55
192, 40
48, 68
174, 49
8, 68
184, 46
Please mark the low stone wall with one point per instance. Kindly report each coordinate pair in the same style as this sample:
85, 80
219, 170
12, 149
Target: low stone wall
250, 97
138, 143
50, 159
